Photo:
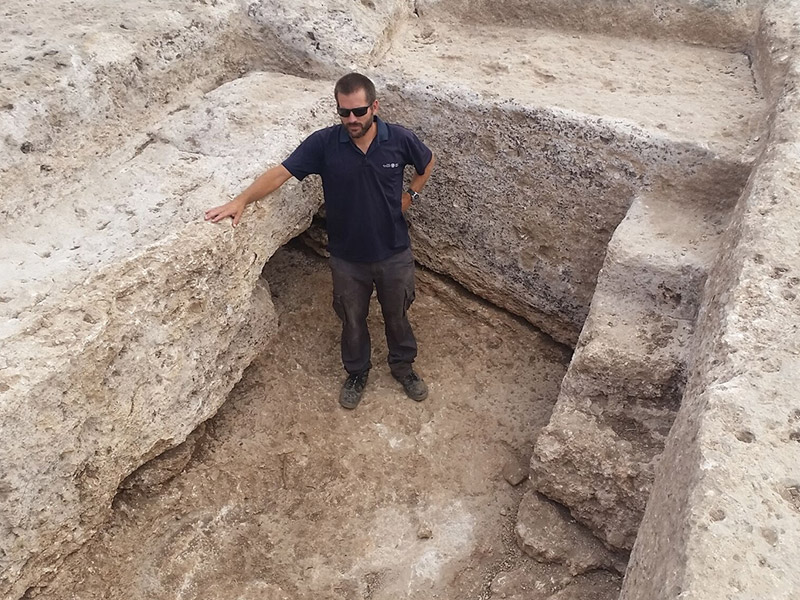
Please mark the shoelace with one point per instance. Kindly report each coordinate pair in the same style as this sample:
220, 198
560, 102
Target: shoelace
354, 380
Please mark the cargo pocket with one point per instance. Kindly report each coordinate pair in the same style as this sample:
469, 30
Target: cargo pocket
409, 298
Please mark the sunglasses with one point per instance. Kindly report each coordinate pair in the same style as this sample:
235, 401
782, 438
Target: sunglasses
359, 112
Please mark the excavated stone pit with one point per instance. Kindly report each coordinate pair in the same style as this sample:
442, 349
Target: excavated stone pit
607, 247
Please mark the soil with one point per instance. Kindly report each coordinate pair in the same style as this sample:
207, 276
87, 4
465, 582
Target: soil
288, 495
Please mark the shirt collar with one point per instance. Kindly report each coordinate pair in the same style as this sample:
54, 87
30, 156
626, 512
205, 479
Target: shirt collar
383, 131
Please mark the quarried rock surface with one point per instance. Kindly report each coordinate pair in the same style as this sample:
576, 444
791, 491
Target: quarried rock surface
143, 318
546, 533
289, 496
537, 166
716, 23
624, 385
328, 37
85, 79
126, 320
723, 521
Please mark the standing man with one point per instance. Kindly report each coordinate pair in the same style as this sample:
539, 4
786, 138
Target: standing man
361, 162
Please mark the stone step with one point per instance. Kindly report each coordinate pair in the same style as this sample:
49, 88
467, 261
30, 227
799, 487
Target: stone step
547, 533
629, 352
623, 387
660, 254
614, 411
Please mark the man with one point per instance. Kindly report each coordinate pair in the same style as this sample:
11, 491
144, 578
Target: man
361, 162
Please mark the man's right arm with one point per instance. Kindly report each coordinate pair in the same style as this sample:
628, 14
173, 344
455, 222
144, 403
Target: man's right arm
263, 186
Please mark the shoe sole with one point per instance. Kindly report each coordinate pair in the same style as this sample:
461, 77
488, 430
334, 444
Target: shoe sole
420, 399
350, 405
417, 399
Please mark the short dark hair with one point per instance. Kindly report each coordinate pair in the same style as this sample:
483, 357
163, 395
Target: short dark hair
351, 83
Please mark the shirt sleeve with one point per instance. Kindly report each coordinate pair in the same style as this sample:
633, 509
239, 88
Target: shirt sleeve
308, 158
417, 153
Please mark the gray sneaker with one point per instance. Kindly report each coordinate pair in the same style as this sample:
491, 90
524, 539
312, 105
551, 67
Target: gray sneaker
353, 390
414, 387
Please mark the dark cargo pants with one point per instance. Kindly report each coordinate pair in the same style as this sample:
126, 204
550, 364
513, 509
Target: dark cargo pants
352, 288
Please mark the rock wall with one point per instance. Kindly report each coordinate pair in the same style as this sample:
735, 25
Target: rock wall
722, 521
328, 37
129, 351
80, 78
526, 198
716, 23
626, 378
126, 319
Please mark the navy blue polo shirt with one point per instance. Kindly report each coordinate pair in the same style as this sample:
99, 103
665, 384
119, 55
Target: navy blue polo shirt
362, 191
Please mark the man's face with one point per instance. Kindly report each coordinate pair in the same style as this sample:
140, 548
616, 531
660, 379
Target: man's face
357, 126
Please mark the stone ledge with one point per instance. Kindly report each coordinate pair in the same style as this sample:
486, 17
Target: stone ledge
722, 521
125, 356
717, 23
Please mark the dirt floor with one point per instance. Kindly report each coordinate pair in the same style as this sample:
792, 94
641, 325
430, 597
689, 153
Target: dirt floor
287, 495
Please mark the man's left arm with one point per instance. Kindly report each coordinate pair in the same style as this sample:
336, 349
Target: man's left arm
417, 183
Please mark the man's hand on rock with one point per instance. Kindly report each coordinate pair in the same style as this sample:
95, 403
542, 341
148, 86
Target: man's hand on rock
267, 183
233, 209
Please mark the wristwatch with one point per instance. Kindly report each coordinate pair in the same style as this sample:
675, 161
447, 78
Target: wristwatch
414, 195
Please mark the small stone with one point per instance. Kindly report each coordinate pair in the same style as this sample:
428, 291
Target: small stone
424, 532
515, 472
547, 533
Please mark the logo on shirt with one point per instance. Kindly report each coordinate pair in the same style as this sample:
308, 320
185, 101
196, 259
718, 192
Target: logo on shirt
391, 165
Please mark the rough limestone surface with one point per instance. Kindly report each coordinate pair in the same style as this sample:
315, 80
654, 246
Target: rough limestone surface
723, 521
625, 381
515, 472
532, 181
78, 75
716, 23
144, 317
165, 466
81, 78
329, 37
126, 320
289, 494
546, 532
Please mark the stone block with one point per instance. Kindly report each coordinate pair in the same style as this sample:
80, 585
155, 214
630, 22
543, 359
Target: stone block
125, 341
547, 533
